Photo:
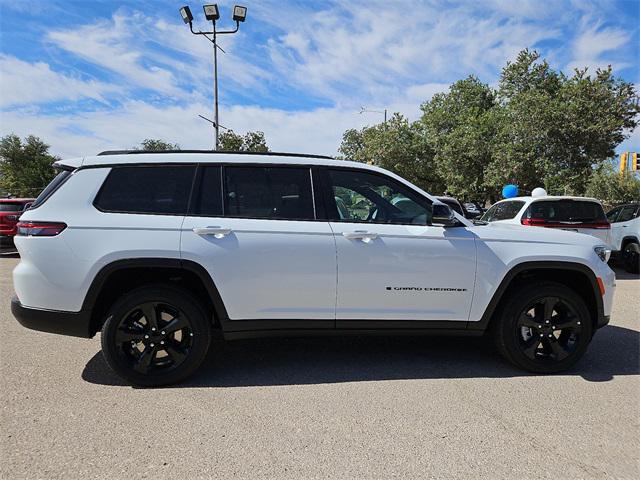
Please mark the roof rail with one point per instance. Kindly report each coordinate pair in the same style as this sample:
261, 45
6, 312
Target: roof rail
277, 154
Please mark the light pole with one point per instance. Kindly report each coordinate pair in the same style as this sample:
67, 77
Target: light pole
212, 14
366, 110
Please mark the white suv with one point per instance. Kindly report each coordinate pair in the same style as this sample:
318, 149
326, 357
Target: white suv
625, 234
157, 250
575, 214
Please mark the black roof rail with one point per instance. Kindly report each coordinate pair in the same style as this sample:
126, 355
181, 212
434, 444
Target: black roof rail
276, 154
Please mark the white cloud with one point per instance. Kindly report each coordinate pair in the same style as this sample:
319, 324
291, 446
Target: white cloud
32, 83
593, 41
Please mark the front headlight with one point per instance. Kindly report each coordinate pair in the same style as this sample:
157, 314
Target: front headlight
603, 252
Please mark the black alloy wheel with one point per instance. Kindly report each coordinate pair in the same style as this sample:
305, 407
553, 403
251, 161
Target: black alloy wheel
156, 335
543, 327
631, 257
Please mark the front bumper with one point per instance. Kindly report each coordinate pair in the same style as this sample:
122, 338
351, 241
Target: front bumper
75, 324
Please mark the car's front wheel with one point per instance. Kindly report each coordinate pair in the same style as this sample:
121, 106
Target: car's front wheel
156, 335
543, 327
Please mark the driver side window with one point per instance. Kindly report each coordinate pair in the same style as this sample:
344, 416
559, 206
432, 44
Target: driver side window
358, 196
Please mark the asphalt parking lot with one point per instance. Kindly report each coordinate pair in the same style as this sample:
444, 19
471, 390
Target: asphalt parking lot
323, 408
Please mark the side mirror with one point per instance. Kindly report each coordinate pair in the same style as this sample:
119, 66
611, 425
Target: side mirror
443, 216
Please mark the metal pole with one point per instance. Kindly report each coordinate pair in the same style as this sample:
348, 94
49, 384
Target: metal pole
215, 85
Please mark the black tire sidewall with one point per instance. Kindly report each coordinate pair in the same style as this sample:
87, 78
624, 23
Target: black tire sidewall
507, 328
176, 297
631, 257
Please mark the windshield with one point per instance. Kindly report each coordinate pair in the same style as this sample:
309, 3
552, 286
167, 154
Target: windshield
11, 206
502, 211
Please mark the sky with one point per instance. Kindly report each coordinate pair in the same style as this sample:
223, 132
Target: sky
87, 76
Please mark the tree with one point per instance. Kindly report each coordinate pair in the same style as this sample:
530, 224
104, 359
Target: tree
249, 142
155, 145
26, 167
459, 126
397, 145
552, 130
613, 187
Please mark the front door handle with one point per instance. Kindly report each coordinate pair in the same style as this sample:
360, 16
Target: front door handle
217, 232
360, 235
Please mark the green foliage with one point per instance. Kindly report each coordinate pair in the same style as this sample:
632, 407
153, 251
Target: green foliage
26, 167
249, 142
398, 146
613, 187
540, 127
155, 145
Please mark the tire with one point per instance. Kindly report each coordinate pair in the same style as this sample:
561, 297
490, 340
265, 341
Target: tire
531, 338
148, 355
631, 257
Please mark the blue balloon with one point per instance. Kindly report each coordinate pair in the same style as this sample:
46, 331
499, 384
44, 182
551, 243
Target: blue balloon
510, 191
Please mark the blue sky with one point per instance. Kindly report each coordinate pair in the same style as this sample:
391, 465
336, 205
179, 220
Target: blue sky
92, 75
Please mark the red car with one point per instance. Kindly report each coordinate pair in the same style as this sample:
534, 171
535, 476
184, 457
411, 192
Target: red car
10, 211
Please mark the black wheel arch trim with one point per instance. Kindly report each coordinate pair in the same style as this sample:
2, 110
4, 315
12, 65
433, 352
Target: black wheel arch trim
483, 323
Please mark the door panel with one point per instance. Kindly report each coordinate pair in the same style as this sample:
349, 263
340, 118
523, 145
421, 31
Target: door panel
405, 272
267, 269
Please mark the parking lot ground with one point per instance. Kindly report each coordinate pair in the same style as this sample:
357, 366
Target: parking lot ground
401, 407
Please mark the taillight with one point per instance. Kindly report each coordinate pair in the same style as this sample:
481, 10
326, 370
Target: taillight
40, 229
540, 222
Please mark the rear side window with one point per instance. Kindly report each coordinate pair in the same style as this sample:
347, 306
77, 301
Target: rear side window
151, 189
503, 211
49, 190
566, 211
268, 192
11, 206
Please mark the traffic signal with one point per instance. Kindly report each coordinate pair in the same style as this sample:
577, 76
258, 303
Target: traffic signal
623, 162
634, 161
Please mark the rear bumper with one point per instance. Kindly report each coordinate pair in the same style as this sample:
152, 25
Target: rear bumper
75, 324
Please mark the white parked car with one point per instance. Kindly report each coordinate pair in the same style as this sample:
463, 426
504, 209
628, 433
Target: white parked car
156, 250
625, 235
574, 214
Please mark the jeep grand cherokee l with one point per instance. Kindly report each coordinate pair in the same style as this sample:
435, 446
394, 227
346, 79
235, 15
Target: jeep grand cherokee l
156, 250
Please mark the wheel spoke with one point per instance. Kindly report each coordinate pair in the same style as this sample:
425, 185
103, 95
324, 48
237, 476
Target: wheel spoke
527, 321
150, 312
531, 347
176, 352
549, 305
144, 360
557, 350
124, 334
568, 320
174, 325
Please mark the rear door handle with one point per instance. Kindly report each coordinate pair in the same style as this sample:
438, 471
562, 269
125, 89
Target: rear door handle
217, 232
360, 235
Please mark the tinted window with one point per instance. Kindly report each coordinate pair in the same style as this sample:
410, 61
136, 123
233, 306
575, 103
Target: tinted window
55, 184
209, 201
11, 206
612, 214
268, 192
502, 211
364, 197
566, 211
151, 189
627, 213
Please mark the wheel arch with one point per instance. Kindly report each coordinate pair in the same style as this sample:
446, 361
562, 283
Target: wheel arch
120, 276
577, 276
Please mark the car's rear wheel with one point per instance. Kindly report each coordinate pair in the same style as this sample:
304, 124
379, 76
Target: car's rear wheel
156, 335
631, 257
543, 328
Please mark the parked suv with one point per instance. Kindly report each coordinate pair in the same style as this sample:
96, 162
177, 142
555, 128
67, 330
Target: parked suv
625, 235
10, 211
158, 250
575, 214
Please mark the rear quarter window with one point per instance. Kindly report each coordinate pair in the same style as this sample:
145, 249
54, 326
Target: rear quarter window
503, 211
157, 189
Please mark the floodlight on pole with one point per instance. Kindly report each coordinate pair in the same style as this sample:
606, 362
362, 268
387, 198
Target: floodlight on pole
185, 12
212, 14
